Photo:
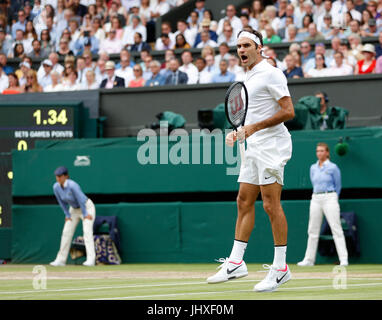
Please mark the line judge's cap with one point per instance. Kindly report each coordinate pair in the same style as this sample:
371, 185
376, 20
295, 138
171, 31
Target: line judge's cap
60, 171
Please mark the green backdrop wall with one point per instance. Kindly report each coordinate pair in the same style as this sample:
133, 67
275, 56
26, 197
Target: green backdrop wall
188, 232
113, 167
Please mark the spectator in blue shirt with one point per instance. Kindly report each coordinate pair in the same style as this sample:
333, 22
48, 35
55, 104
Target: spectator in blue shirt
76, 206
205, 27
223, 75
20, 24
378, 47
156, 79
85, 41
326, 180
292, 71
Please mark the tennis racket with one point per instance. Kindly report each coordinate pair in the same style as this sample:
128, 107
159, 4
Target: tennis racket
236, 106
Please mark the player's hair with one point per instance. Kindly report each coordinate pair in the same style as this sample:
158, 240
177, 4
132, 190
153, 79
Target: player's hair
325, 145
256, 33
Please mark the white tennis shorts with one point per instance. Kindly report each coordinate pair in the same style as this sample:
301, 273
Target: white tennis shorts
265, 161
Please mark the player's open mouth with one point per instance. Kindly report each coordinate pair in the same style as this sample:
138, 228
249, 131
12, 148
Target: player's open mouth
244, 58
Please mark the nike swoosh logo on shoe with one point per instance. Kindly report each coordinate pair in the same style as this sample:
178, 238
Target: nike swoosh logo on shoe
230, 271
278, 280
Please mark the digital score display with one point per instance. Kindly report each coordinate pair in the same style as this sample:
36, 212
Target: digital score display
6, 176
20, 126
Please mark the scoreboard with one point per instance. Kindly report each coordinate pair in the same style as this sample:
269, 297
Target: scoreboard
5, 190
21, 124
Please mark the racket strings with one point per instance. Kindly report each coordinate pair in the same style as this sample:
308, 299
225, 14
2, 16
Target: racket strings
236, 105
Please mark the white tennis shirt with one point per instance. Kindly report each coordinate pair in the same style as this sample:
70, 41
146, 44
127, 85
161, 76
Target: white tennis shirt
265, 85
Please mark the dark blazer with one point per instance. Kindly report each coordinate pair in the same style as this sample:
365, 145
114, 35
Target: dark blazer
118, 83
140, 47
182, 78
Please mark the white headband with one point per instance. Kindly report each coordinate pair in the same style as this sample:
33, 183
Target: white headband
254, 38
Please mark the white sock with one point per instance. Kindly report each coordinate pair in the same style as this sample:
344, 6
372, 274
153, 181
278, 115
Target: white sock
238, 250
279, 260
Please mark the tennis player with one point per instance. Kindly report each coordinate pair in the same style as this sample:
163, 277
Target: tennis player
269, 147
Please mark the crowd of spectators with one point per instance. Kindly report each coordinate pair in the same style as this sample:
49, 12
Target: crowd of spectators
74, 39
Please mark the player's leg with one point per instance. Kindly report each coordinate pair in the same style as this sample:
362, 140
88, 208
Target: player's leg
246, 198
66, 238
332, 213
234, 266
271, 195
314, 227
88, 234
279, 271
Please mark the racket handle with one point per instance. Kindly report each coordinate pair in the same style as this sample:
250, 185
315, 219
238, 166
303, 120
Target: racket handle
242, 152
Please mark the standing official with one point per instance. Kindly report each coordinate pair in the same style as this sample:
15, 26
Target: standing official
76, 206
326, 180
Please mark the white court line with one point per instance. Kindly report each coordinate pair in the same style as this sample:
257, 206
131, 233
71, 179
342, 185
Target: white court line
109, 287
157, 285
228, 291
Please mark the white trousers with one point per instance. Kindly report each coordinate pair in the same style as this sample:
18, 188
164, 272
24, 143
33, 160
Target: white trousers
69, 229
325, 204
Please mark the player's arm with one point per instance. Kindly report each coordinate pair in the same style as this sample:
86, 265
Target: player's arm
285, 113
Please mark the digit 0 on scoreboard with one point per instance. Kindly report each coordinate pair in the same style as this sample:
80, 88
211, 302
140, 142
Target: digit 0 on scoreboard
21, 123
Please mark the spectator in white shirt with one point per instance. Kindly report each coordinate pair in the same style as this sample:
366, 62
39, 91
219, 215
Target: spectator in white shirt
188, 67
227, 36
351, 8
166, 30
339, 68
206, 41
223, 54
80, 64
4, 82
271, 13
71, 84
125, 71
160, 9
233, 66
100, 71
318, 9
210, 64
326, 12
53, 57
111, 44
27, 43
203, 75
338, 10
233, 20
129, 31
55, 84
90, 83
188, 34
320, 68
164, 42
46, 78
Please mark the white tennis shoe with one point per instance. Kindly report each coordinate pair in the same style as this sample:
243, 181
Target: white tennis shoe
274, 279
228, 270
89, 263
57, 263
305, 263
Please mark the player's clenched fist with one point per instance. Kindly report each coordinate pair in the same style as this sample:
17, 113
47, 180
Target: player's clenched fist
230, 139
